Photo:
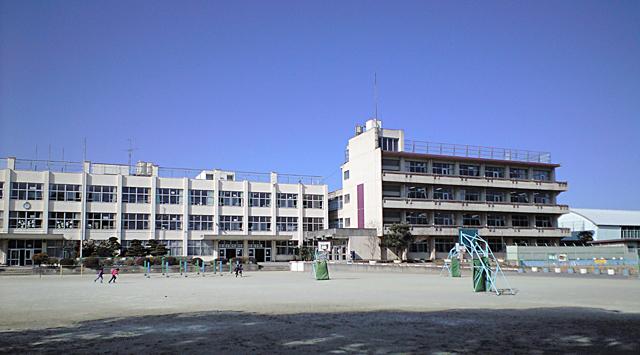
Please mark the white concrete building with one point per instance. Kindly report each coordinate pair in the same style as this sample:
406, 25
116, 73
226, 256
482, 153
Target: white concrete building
509, 195
50, 206
607, 226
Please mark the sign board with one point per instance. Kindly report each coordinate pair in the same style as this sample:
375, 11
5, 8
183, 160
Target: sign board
562, 257
324, 246
600, 261
552, 256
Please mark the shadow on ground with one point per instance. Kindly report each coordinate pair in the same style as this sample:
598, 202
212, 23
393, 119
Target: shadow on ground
544, 330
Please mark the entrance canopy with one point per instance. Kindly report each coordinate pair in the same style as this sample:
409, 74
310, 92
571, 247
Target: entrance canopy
340, 233
32, 236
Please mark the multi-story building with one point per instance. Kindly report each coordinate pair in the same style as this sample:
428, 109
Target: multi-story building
51, 206
509, 195
608, 227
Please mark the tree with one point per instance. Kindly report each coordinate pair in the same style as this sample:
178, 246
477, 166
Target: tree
136, 249
585, 237
89, 248
156, 249
40, 258
398, 239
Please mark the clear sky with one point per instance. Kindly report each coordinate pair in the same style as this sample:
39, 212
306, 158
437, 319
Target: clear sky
279, 85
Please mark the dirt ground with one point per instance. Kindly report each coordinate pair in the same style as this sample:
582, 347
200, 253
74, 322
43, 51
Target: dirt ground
284, 312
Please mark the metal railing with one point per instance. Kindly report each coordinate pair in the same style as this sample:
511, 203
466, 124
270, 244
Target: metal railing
47, 165
473, 151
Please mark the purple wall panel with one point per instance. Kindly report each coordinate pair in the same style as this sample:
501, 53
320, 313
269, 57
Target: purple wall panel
361, 206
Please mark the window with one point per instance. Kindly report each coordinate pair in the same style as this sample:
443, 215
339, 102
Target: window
444, 245
471, 195
312, 223
346, 175
174, 247
443, 193
347, 198
312, 201
391, 216
469, 170
169, 196
417, 192
414, 217
260, 223
201, 197
391, 164
443, 219
200, 222
519, 197
200, 247
336, 223
389, 144
135, 194
496, 245
64, 220
347, 222
542, 242
470, 219
1, 189
417, 166
391, 191
542, 175
286, 200
1, 219
335, 203
519, 220
493, 172
64, 192
496, 220
135, 221
230, 198
543, 222
171, 222
519, 173
26, 191
287, 247
260, 199
101, 220
630, 232
419, 247
99, 193
442, 168
230, 223
287, 224
541, 198
25, 219
494, 196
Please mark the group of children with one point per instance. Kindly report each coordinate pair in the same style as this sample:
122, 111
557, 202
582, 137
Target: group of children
114, 275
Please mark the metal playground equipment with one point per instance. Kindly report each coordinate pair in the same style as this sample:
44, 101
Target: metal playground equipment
320, 261
452, 262
485, 276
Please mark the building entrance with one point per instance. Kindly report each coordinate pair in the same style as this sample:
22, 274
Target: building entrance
21, 252
259, 250
229, 249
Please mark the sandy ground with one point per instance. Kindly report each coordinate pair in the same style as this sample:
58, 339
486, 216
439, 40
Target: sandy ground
284, 312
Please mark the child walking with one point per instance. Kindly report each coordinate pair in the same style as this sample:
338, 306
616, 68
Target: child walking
114, 273
239, 269
100, 274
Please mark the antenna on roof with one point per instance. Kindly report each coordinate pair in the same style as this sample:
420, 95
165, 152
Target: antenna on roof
375, 94
84, 149
130, 151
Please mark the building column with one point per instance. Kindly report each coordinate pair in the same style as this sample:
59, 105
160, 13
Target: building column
186, 203
46, 177
245, 248
432, 248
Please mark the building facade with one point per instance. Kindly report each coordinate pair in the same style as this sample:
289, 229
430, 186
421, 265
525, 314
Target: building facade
509, 195
609, 227
51, 206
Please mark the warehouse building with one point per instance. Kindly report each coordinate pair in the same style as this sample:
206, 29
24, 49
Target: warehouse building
51, 206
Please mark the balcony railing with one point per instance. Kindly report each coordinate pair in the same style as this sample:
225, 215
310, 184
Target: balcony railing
473, 151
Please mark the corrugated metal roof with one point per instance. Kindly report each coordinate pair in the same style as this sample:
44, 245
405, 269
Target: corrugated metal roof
610, 217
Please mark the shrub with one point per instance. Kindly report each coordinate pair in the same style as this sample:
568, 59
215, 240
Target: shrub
197, 261
139, 261
107, 262
129, 262
171, 260
40, 258
67, 262
52, 261
91, 262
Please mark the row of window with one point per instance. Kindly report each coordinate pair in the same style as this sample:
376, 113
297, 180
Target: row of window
169, 196
140, 221
467, 194
469, 219
474, 170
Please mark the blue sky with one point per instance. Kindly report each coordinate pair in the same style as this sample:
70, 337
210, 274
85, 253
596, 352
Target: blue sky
279, 85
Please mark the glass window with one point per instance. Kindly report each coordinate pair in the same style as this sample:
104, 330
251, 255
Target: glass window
469, 170
347, 222
171, 222
26, 191
287, 247
1, 189
518, 220
471, 195
389, 144
174, 247
444, 245
200, 247
519, 197
313, 223
132, 194
347, 198
494, 172
201, 197
443, 219
260, 199
200, 222
417, 166
230, 223
542, 198
259, 223
100, 193
415, 217
470, 219
391, 191
64, 192
496, 220
630, 232
287, 224
346, 175
101, 220
230, 198
494, 196
391, 164
496, 245
543, 222
542, 175
286, 200
25, 219
312, 201
519, 173
135, 221
64, 220
169, 196
421, 246
443, 193
335, 203
417, 192
391, 216
442, 168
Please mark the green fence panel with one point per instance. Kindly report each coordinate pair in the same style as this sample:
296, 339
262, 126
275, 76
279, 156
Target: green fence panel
322, 271
455, 267
478, 277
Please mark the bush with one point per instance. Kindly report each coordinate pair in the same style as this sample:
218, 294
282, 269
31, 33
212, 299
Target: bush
52, 261
197, 261
139, 261
40, 258
91, 262
171, 260
67, 262
107, 262
129, 262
